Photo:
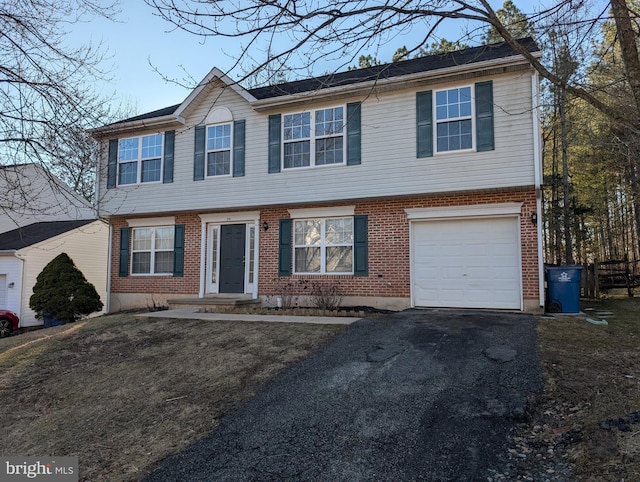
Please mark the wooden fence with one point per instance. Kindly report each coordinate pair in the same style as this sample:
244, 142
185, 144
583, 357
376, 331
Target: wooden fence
602, 276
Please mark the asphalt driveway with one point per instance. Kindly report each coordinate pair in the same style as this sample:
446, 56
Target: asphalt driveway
418, 395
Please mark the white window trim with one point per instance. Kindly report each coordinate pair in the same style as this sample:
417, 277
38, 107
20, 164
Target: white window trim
323, 247
153, 251
332, 212
152, 222
313, 137
436, 122
207, 150
140, 160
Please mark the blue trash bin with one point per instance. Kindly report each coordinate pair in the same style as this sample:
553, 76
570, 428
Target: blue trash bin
563, 288
50, 320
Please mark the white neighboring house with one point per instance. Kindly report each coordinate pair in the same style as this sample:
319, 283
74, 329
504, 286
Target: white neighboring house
45, 219
29, 194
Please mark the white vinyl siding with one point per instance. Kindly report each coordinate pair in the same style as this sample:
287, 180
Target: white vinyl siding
389, 164
49, 198
87, 246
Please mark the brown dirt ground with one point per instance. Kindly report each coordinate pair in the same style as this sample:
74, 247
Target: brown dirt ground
592, 390
122, 393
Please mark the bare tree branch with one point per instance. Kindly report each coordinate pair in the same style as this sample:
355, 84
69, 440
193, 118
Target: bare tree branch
47, 97
310, 31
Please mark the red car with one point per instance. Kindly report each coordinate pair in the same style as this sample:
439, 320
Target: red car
9, 322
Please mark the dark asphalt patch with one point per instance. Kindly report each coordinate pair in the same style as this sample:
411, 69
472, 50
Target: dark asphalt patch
418, 395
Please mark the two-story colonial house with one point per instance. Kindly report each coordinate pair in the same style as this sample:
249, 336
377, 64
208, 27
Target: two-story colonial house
408, 184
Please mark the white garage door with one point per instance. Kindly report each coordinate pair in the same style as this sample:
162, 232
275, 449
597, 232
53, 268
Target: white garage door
467, 263
3, 291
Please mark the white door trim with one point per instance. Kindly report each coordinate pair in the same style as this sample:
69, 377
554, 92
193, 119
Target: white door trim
208, 221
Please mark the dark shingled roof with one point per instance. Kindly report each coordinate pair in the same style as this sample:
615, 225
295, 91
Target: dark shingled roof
37, 232
150, 115
396, 69
378, 72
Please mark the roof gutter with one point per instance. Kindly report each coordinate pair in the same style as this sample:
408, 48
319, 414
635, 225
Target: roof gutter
487, 67
118, 128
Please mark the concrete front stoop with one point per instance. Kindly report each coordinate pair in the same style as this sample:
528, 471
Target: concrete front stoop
215, 303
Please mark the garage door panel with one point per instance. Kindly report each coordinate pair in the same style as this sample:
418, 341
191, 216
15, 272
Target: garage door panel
470, 263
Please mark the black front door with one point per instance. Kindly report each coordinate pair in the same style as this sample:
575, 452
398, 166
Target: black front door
232, 251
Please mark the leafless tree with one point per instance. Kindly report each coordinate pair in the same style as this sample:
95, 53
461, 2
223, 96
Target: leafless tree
47, 95
305, 34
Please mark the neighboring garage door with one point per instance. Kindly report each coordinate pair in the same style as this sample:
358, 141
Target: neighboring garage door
467, 263
3, 291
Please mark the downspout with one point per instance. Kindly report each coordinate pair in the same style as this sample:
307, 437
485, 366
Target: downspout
109, 255
538, 177
96, 207
23, 261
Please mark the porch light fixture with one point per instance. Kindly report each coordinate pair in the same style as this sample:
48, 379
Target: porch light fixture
534, 218
265, 225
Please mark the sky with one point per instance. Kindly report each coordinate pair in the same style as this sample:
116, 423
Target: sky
138, 43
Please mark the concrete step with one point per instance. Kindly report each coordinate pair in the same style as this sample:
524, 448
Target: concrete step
212, 304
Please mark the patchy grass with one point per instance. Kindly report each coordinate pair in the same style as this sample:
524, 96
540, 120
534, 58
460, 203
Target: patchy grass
122, 393
592, 389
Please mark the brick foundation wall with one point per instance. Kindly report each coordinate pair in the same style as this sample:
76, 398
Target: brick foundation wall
388, 241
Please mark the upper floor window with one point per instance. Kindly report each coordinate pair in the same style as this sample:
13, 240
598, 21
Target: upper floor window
140, 159
323, 245
454, 119
152, 250
313, 138
219, 150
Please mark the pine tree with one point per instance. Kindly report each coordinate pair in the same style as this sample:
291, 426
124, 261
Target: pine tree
62, 292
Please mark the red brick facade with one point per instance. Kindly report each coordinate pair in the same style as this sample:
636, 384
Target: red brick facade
388, 244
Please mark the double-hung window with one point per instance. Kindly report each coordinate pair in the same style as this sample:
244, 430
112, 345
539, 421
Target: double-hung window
454, 119
140, 159
153, 250
313, 138
219, 150
323, 245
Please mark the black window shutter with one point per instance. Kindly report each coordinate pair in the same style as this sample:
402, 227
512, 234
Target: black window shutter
424, 123
198, 159
112, 163
484, 116
238, 148
284, 258
178, 251
169, 142
353, 134
360, 245
274, 142
124, 252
